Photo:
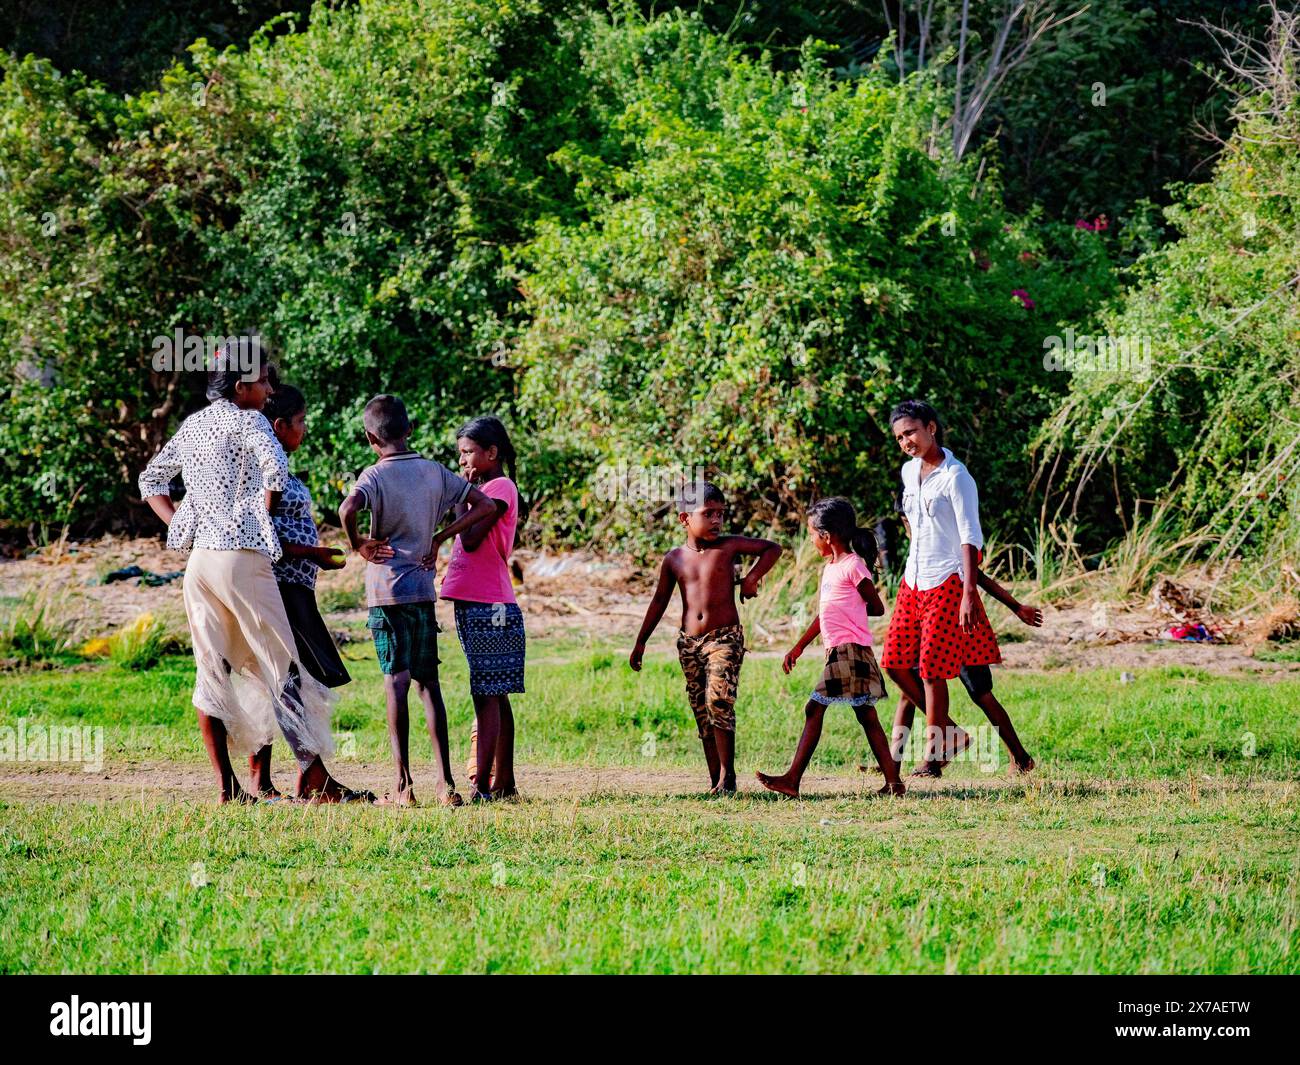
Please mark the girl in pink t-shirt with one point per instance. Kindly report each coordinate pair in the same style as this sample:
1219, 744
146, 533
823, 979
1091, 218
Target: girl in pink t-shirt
850, 673
488, 620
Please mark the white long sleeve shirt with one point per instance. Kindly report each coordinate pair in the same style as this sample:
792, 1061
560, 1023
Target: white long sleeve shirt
227, 457
944, 513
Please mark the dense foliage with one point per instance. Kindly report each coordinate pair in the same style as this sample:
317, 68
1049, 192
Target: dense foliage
1205, 440
649, 240
776, 261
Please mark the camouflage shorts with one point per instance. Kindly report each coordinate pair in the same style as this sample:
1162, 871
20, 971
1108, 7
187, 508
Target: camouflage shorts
711, 662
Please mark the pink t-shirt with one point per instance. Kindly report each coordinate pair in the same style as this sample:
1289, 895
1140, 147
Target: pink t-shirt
841, 609
482, 575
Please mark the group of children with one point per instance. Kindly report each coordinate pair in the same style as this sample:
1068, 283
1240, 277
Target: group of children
938, 631
263, 653
241, 629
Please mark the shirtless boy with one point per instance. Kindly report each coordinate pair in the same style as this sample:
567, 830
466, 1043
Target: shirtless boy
711, 641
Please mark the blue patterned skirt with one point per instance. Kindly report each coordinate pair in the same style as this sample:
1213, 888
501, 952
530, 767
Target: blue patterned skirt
492, 637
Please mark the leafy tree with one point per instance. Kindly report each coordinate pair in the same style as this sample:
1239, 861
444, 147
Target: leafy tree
1205, 437
780, 258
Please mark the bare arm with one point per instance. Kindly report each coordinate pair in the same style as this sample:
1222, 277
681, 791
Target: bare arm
1030, 615
377, 551
163, 507
322, 556
970, 560
867, 589
810, 633
472, 538
655, 611
768, 552
480, 507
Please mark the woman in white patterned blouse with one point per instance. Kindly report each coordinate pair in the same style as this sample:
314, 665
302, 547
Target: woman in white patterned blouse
248, 675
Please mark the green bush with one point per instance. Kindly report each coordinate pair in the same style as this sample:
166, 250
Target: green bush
631, 236
1208, 429
766, 262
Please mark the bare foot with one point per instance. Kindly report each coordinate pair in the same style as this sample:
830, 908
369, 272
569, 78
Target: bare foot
781, 785
1027, 766
960, 742
237, 795
451, 798
315, 784
927, 770
896, 788
269, 793
723, 789
404, 798
505, 795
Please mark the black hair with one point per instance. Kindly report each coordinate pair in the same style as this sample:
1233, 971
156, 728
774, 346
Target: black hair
835, 515
489, 431
225, 372
922, 412
385, 417
285, 402
695, 494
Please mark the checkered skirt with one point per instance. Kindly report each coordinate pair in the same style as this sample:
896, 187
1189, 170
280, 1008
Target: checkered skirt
850, 675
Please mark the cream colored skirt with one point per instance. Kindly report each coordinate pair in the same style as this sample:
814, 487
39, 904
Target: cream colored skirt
248, 676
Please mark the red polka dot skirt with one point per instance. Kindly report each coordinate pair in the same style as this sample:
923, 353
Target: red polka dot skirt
924, 633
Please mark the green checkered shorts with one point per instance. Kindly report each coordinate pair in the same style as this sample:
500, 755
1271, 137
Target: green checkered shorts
406, 638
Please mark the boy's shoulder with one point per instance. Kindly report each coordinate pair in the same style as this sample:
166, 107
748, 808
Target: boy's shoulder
394, 467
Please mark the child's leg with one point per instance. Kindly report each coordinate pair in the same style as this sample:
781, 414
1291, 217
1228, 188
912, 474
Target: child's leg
259, 768
1001, 720
435, 716
904, 716
396, 688
724, 743
710, 746
503, 776
214, 739
936, 722
866, 715
788, 782
912, 695
724, 654
695, 671
487, 717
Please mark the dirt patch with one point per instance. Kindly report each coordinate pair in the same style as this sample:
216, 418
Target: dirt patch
601, 598
193, 782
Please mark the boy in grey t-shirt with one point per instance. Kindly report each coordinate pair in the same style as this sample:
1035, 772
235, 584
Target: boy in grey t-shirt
407, 496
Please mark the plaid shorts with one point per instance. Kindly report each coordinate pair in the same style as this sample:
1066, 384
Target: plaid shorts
851, 676
406, 638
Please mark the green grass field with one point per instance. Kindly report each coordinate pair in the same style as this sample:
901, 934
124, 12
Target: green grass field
1160, 834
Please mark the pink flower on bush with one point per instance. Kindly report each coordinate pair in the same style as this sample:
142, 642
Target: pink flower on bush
1098, 225
1023, 297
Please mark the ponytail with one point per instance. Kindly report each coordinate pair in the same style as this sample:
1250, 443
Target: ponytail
835, 515
863, 542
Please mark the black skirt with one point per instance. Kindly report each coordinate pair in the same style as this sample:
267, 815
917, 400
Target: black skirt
316, 648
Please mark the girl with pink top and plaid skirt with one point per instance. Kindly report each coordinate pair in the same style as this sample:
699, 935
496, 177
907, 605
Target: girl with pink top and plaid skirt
847, 595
